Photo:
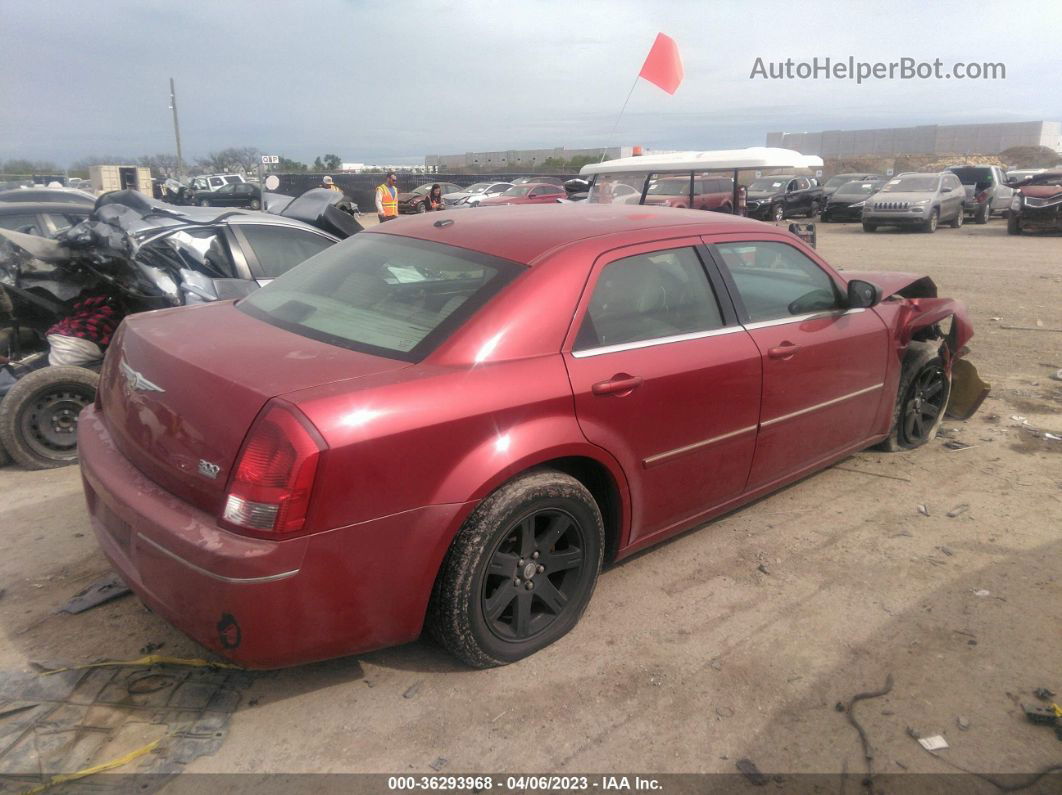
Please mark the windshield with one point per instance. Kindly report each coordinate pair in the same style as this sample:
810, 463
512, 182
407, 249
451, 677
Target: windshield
858, 188
620, 188
670, 187
518, 190
479, 187
972, 176
1051, 178
382, 294
916, 184
421, 190
768, 184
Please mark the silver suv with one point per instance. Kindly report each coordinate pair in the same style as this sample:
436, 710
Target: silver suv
987, 191
920, 200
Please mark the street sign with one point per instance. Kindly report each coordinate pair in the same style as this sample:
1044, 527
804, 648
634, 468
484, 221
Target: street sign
888, 172
272, 182
270, 159
818, 172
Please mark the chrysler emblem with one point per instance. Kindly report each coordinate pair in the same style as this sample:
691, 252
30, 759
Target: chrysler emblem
137, 381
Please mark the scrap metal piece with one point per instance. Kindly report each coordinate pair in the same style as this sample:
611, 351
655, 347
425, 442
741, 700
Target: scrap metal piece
103, 590
968, 391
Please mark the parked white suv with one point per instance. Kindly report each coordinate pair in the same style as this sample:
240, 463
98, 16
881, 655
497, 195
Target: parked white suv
214, 181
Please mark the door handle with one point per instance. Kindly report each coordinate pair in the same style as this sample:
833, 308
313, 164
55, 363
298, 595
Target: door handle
619, 384
784, 351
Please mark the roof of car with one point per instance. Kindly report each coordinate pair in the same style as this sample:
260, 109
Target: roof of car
523, 233
14, 208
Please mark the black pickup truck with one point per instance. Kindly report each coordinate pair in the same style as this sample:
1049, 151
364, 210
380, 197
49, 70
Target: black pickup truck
784, 196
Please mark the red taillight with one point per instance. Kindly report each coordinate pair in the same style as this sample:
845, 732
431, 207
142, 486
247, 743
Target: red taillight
981, 197
269, 491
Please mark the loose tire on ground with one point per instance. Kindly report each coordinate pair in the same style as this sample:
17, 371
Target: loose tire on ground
921, 366
510, 542
38, 416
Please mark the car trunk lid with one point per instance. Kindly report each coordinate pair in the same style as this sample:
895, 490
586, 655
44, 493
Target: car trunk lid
180, 389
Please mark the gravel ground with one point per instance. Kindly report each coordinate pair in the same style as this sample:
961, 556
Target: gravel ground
732, 641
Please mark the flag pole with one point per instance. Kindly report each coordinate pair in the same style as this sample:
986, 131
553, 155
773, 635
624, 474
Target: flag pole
620, 116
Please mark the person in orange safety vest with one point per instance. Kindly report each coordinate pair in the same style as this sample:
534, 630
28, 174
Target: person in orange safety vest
387, 198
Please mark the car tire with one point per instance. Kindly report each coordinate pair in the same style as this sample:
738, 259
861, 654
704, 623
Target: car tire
868, 227
981, 216
916, 415
777, 213
203, 202
956, 222
38, 416
422, 207
5, 457
931, 224
255, 204
1013, 224
490, 567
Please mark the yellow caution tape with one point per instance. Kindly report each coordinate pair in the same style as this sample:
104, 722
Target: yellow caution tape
150, 659
1057, 709
63, 778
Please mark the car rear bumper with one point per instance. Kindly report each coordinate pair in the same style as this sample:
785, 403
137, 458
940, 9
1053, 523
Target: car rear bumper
262, 603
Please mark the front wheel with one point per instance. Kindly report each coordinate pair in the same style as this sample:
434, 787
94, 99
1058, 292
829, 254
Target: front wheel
931, 224
958, 219
520, 572
38, 416
255, 204
422, 207
777, 213
869, 227
922, 398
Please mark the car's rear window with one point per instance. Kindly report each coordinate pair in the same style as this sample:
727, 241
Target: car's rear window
972, 175
382, 294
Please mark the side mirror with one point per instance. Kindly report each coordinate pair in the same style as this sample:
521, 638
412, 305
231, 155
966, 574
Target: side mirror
863, 295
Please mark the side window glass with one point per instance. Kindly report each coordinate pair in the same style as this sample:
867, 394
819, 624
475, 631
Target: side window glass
649, 296
202, 250
281, 248
777, 281
21, 223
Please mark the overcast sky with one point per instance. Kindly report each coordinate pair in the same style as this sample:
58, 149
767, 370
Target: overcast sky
392, 81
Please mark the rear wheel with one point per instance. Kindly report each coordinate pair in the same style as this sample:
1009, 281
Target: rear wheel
981, 217
520, 572
255, 204
1013, 224
956, 222
38, 416
922, 398
203, 202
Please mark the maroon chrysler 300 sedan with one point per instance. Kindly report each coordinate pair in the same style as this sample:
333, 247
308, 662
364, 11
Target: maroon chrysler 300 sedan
453, 422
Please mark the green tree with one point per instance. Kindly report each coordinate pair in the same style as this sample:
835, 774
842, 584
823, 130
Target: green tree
579, 161
20, 166
317, 164
332, 162
290, 165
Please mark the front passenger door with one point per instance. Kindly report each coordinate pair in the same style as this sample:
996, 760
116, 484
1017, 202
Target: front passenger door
823, 365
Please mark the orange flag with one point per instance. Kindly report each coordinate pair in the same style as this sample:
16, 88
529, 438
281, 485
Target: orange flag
662, 66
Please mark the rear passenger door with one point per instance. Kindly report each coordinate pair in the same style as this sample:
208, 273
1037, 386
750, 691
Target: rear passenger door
823, 365
666, 380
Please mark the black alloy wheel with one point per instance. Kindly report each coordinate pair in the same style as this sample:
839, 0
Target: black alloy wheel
521, 570
923, 405
536, 569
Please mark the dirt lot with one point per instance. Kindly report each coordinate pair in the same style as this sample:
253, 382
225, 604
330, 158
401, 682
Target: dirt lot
732, 641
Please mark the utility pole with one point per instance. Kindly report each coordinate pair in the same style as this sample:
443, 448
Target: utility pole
176, 127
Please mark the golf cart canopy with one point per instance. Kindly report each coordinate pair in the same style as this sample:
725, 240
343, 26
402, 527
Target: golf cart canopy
755, 157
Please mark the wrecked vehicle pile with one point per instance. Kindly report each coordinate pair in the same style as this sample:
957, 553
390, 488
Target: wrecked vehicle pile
62, 298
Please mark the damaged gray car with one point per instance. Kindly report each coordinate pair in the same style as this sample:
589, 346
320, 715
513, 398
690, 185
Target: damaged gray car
62, 297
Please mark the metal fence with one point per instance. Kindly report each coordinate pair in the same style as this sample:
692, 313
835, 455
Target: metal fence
361, 188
